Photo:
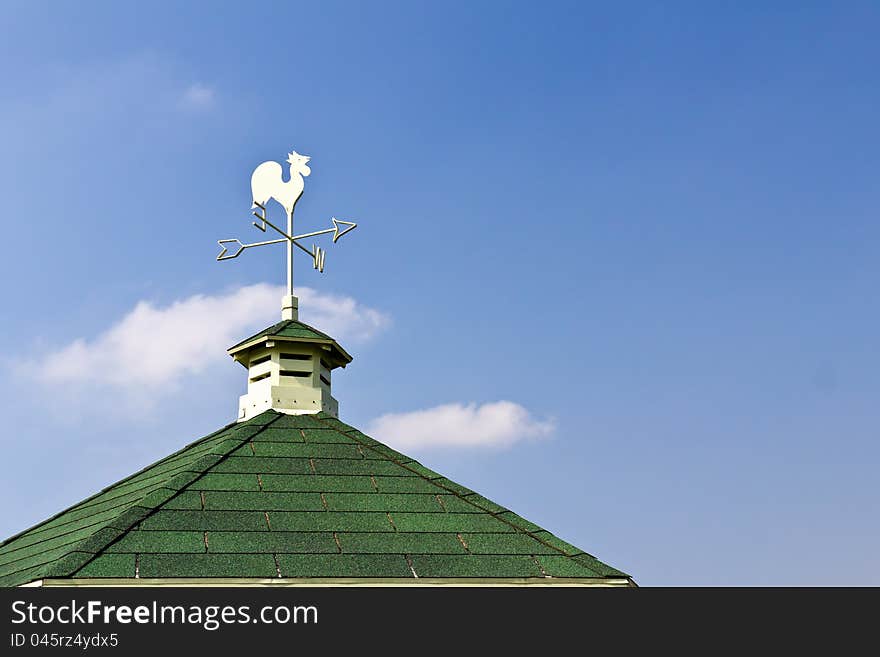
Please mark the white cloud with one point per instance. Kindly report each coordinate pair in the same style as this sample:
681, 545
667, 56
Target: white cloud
494, 424
342, 317
198, 97
153, 346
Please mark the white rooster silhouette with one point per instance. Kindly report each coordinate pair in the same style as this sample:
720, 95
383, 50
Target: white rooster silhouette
267, 182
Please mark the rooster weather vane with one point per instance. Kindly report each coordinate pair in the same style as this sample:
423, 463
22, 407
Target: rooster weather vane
267, 183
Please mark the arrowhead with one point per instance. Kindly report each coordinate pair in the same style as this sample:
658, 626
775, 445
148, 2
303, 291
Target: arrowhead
336, 232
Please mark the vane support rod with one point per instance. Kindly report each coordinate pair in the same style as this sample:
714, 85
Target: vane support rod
289, 254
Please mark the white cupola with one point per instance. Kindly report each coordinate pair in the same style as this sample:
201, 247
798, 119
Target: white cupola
289, 369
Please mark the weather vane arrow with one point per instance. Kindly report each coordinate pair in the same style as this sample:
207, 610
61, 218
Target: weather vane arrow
336, 234
267, 184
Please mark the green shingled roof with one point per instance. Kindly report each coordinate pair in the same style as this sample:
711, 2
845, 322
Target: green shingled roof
291, 496
290, 329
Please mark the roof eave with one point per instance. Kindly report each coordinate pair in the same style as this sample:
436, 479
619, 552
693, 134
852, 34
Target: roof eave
344, 357
338, 581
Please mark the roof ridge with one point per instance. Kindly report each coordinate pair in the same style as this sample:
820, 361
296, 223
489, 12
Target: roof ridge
288, 322
85, 550
115, 484
182, 484
498, 515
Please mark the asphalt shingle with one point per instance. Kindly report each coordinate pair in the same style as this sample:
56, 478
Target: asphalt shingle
263, 501
479, 566
181, 520
394, 542
207, 565
449, 522
415, 502
159, 541
344, 565
273, 542
332, 521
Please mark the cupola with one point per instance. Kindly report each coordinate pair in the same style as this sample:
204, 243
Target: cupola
289, 369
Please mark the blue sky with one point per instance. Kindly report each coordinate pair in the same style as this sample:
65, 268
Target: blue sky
652, 230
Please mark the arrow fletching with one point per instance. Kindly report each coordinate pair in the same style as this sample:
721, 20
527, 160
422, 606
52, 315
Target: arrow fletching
318, 255
223, 250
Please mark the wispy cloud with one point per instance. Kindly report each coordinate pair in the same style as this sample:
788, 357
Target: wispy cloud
198, 97
339, 316
494, 424
153, 346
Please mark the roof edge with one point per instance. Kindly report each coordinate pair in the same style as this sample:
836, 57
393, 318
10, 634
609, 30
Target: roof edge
250, 344
231, 425
82, 552
335, 581
495, 510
